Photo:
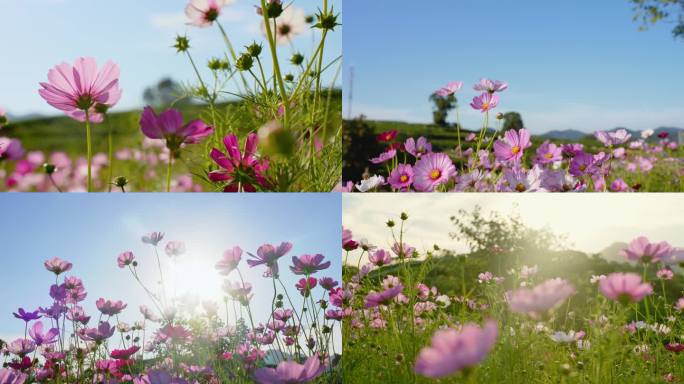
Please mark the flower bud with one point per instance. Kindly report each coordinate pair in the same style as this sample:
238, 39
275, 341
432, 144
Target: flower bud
182, 43
49, 168
254, 49
244, 62
297, 59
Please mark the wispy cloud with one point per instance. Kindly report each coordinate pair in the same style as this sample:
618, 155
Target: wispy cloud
176, 20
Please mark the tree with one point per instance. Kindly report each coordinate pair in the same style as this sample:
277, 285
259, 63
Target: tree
513, 120
650, 12
443, 104
164, 93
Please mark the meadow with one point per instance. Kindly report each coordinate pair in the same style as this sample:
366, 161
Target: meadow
519, 307
243, 128
401, 157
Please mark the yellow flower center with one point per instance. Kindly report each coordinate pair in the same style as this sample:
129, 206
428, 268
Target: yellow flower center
435, 174
582, 167
485, 106
520, 187
515, 150
549, 155
403, 178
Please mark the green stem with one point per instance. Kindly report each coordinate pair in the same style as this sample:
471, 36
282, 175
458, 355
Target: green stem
276, 65
168, 173
110, 162
89, 151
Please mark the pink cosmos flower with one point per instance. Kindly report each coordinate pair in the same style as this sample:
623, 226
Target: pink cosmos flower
153, 238
231, 259
540, 299
203, 13
239, 291
374, 299
40, 337
380, 258
10, 149
641, 249
491, 86
290, 372
75, 89
109, 307
449, 89
174, 248
581, 164
268, 254
485, 102
308, 264
401, 177
385, 156
680, 304
176, 333
168, 126
610, 139
242, 171
665, 274
11, 376
454, 350
619, 185
417, 147
304, 286
125, 259
327, 283
57, 265
403, 250
102, 332
512, 147
548, 153
624, 287
432, 170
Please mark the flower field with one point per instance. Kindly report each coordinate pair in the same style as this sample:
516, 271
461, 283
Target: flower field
515, 309
173, 340
494, 160
264, 120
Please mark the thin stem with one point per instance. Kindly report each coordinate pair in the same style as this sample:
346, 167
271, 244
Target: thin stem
276, 65
168, 173
89, 151
110, 162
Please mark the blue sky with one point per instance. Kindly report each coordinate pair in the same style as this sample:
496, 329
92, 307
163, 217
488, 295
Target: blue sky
578, 64
90, 231
38, 34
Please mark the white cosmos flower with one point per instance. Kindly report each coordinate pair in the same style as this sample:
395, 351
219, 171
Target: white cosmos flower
370, 183
563, 337
289, 24
647, 133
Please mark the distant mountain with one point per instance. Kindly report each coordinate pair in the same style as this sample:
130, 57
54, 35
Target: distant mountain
30, 116
566, 134
612, 252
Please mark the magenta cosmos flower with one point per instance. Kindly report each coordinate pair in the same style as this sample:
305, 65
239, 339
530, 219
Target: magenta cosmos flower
57, 265
125, 259
401, 177
375, 299
304, 286
540, 299
548, 153
449, 89
109, 307
454, 350
641, 249
242, 171
308, 264
386, 137
513, 145
79, 88
40, 337
290, 372
624, 287
169, 126
231, 259
432, 170
202, 13
485, 102
268, 254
